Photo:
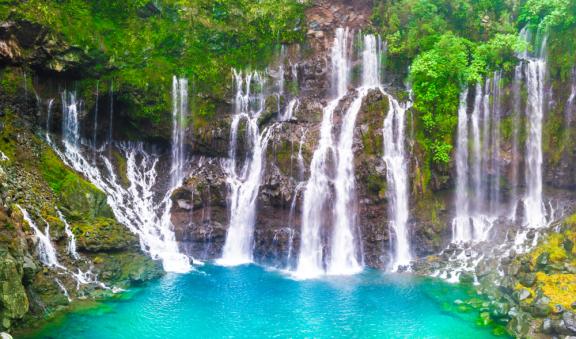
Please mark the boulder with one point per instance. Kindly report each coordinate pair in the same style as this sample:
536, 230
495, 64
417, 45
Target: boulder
13, 298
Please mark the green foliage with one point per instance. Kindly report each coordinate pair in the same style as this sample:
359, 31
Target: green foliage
141, 44
437, 76
449, 44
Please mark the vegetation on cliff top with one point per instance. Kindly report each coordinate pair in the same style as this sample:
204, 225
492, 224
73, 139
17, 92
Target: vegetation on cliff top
451, 43
141, 44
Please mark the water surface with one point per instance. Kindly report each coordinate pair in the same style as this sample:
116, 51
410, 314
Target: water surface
251, 302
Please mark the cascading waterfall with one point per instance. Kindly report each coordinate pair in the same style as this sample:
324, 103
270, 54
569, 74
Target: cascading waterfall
397, 178
179, 116
49, 118
111, 113
70, 128
317, 191
344, 255
63, 289
95, 131
134, 206
517, 106
46, 250
244, 179
461, 228
71, 238
478, 188
290, 109
535, 73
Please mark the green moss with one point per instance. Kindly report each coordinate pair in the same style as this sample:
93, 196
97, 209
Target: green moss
80, 197
123, 269
372, 138
10, 81
103, 234
141, 50
121, 165
377, 185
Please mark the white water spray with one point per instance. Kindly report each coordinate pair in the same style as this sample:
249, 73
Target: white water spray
179, 116
135, 206
46, 251
71, 238
244, 180
535, 73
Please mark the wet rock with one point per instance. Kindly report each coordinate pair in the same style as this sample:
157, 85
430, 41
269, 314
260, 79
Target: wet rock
13, 299
513, 268
527, 279
522, 294
500, 310
569, 319
29, 269
547, 326
541, 307
520, 324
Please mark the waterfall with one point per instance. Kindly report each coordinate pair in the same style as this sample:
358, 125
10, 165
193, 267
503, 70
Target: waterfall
134, 206
317, 191
300, 157
111, 112
49, 118
477, 197
290, 109
179, 116
517, 107
535, 73
332, 165
71, 238
63, 289
397, 178
244, 179
70, 122
46, 251
95, 132
461, 228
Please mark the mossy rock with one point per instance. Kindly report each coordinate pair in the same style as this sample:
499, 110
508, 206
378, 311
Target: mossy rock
103, 234
125, 268
13, 299
77, 195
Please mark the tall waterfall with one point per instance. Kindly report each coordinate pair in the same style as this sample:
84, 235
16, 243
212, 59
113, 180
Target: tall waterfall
461, 228
397, 178
477, 177
317, 191
535, 74
49, 118
134, 206
95, 131
333, 165
179, 116
244, 178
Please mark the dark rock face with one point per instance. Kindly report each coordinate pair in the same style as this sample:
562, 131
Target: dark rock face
26, 42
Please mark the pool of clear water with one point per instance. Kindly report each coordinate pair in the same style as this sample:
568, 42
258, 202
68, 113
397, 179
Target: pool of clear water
253, 302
